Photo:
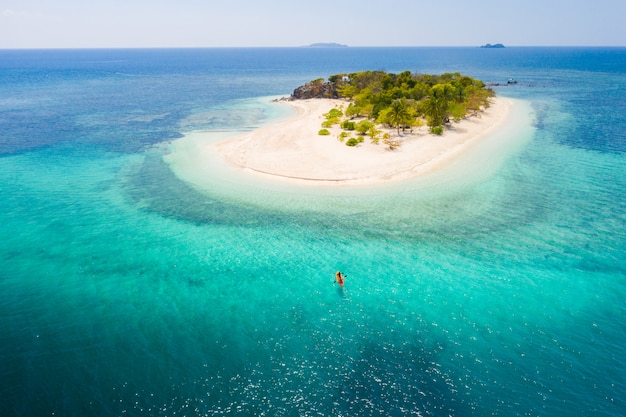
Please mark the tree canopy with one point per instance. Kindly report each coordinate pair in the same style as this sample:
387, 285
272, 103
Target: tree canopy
406, 99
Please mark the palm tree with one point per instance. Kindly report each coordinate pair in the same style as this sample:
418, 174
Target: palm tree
398, 114
437, 105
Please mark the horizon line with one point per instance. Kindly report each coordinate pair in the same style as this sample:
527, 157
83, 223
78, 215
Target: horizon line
311, 46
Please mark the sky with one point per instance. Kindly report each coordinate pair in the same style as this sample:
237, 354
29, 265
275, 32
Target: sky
286, 23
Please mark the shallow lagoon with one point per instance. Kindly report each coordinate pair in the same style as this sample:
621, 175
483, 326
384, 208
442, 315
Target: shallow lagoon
126, 290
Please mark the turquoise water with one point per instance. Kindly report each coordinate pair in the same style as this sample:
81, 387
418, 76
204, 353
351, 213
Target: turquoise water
126, 290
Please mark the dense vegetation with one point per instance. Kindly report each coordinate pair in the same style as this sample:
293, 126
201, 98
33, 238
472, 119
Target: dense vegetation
401, 101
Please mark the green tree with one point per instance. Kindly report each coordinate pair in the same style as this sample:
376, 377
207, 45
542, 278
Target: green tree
398, 114
437, 105
457, 111
346, 90
363, 126
373, 133
391, 99
353, 111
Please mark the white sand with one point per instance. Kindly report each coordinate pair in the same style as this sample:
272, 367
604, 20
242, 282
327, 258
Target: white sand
293, 151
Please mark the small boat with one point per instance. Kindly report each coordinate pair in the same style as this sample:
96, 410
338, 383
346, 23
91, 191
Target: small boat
339, 278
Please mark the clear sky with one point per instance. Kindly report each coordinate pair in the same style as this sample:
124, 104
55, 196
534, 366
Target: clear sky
234, 23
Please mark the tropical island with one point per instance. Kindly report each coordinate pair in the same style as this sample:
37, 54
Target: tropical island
396, 126
402, 101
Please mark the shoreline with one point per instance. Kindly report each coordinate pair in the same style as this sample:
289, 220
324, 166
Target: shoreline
292, 151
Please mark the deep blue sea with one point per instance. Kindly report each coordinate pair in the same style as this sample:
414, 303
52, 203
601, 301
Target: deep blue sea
128, 291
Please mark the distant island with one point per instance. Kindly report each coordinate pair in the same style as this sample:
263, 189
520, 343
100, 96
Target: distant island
495, 45
326, 45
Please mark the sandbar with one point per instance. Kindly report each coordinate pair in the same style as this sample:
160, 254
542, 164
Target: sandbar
292, 150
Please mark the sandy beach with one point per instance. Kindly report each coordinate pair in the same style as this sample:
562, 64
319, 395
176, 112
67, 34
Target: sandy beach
292, 150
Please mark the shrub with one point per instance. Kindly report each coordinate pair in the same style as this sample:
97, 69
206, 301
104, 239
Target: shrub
363, 126
324, 132
343, 136
333, 114
354, 141
330, 122
348, 125
373, 133
437, 130
353, 110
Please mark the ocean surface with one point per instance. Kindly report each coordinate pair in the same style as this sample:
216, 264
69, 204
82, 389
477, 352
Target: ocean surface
126, 290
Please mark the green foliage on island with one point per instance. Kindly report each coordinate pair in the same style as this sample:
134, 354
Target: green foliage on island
348, 125
323, 132
354, 141
333, 114
437, 130
363, 127
333, 117
402, 101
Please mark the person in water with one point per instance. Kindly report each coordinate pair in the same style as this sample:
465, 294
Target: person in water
339, 278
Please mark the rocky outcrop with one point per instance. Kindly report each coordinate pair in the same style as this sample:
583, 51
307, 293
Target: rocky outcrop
315, 89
